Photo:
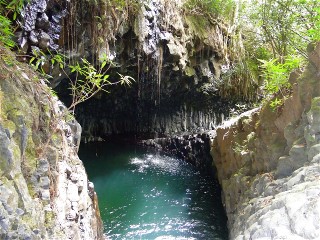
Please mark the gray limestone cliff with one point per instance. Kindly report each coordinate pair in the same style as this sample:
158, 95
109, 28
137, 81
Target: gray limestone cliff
269, 164
44, 189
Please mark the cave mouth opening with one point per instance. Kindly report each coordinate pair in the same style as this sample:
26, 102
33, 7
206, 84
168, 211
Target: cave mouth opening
113, 129
146, 194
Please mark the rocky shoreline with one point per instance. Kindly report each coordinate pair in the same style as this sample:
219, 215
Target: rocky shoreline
44, 189
268, 164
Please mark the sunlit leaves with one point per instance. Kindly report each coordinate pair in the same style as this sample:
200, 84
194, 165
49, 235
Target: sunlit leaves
13, 6
6, 32
314, 32
126, 80
276, 74
9, 10
221, 8
90, 80
286, 26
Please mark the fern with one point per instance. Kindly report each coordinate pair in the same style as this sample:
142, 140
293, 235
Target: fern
13, 6
9, 8
6, 32
276, 74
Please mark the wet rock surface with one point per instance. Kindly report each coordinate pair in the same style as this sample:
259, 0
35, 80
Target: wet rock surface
193, 148
177, 65
176, 72
44, 190
268, 165
42, 25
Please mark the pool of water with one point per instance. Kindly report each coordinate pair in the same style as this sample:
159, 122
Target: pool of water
147, 195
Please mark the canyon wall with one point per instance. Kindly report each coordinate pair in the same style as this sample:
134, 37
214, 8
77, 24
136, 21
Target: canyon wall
44, 189
192, 148
178, 58
268, 164
161, 47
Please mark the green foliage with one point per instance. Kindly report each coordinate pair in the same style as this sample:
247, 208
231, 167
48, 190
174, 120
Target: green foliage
126, 5
276, 34
13, 7
283, 25
221, 8
38, 60
198, 25
6, 32
314, 32
276, 74
121, 4
276, 77
89, 80
276, 103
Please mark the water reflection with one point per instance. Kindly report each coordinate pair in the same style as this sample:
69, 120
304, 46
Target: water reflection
151, 196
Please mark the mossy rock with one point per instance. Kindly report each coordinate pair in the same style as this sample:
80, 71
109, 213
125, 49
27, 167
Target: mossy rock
189, 71
198, 25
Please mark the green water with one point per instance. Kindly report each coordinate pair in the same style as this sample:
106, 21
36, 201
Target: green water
145, 195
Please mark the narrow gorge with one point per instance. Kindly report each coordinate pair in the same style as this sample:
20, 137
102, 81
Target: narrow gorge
185, 135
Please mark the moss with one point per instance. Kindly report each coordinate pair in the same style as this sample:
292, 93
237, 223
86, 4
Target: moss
31, 190
190, 71
1, 101
251, 136
315, 105
56, 139
30, 221
246, 120
198, 25
31, 155
49, 218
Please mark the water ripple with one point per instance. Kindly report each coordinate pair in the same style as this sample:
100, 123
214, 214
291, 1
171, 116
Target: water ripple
150, 196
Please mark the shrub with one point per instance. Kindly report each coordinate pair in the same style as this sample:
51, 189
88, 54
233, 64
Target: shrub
6, 32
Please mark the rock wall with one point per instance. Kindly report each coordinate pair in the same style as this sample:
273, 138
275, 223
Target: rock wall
176, 57
44, 189
160, 46
269, 164
193, 148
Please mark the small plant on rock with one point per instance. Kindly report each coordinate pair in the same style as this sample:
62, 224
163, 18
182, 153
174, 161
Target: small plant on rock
276, 75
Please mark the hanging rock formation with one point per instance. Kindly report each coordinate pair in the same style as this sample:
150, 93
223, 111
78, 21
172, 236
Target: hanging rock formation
172, 64
177, 59
193, 148
269, 165
44, 190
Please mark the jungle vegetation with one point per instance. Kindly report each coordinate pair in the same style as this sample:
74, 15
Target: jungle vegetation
267, 39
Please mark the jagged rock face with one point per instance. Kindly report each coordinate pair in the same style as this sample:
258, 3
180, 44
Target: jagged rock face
268, 165
193, 148
173, 67
176, 62
44, 190
41, 26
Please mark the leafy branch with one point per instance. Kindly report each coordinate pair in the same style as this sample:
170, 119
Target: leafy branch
276, 75
89, 81
9, 11
6, 32
86, 83
13, 6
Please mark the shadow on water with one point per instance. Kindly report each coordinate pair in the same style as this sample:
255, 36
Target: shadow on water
147, 195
